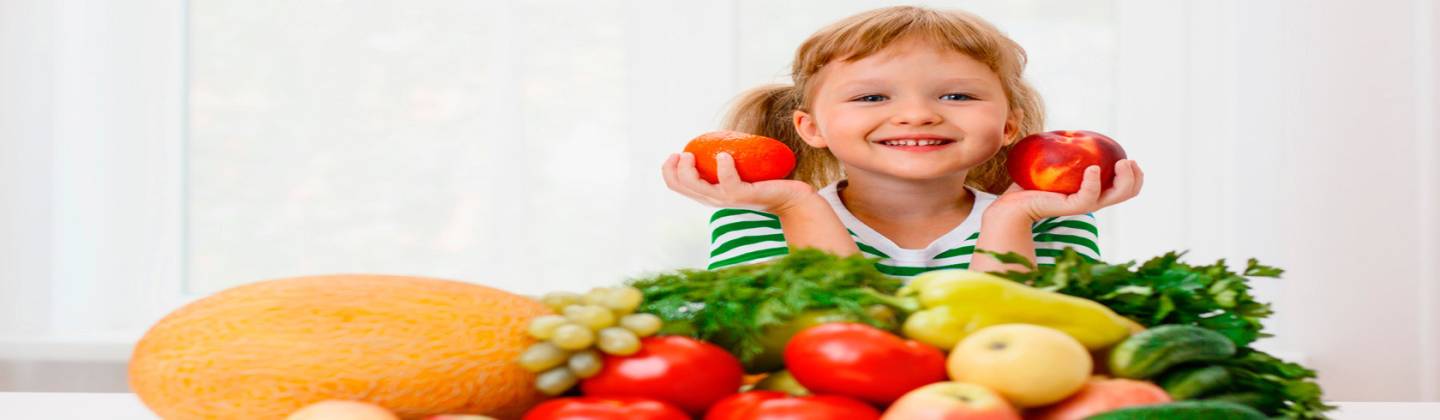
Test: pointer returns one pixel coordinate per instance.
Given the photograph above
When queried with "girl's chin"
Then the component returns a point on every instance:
(917, 167)
(920, 174)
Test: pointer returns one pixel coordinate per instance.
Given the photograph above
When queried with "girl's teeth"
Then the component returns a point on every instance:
(913, 142)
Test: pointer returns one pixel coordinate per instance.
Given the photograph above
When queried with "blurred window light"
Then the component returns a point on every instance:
(509, 143)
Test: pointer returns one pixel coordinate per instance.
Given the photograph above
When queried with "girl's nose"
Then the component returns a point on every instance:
(915, 113)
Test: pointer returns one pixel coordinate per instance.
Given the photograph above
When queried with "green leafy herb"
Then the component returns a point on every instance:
(1256, 371)
(733, 306)
(1164, 290)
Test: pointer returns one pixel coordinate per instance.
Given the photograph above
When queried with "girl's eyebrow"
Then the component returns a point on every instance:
(863, 83)
(873, 83)
(964, 80)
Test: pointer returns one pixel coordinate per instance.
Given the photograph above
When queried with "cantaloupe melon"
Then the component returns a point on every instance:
(342, 410)
(415, 346)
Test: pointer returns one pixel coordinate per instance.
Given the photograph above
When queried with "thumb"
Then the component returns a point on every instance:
(1014, 187)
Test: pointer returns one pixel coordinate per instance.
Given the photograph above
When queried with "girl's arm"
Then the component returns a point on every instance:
(1003, 230)
(1005, 226)
(806, 220)
(809, 222)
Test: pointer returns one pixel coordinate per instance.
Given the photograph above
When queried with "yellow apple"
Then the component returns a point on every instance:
(951, 401)
(1030, 365)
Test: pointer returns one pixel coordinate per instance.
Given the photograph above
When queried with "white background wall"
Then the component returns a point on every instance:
(1301, 133)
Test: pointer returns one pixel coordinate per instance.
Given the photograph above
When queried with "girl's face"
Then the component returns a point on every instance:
(911, 111)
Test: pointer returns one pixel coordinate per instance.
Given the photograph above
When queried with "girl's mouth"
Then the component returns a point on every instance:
(916, 145)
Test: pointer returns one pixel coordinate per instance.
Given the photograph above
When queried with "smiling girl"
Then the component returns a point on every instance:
(900, 119)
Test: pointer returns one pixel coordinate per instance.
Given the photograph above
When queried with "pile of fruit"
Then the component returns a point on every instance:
(827, 338)
(598, 322)
(806, 336)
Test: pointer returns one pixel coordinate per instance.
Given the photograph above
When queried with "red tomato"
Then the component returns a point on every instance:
(689, 373)
(596, 408)
(772, 405)
(857, 360)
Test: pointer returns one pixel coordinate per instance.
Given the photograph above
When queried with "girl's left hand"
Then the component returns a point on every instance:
(1042, 204)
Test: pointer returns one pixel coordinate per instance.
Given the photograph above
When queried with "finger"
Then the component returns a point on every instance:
(672, 180)
(725, 171)
(685, 168)
(1089, 190)
(667, 170)
(1139, 177)
(690, 177)
(1123, 187)
(1013, 187)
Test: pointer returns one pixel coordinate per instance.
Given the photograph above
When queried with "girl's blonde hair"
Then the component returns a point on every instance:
(769, 110)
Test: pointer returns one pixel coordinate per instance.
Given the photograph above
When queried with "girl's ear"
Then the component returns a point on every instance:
(809, 131)
(1012, 127)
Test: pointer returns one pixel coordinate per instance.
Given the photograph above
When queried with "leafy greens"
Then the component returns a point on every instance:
(1164, 290)
(733, 306)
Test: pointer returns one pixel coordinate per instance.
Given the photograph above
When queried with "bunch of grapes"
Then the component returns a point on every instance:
(601, 319)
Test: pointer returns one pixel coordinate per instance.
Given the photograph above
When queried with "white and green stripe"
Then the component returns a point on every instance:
(744, 236)
(747, 236)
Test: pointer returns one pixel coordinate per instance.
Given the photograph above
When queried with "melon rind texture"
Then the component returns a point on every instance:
(416, 346)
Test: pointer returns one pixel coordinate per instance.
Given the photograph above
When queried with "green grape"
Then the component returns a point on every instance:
(542, 327)
(591, 316)
(572, 337)
(542, 356)
(618, 341)
(585, 364)
(555, 381)
(642, 324)
(624, 300)
(597, 296)
(557, 301)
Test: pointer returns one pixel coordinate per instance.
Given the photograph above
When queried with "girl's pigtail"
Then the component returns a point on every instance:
(769, 111)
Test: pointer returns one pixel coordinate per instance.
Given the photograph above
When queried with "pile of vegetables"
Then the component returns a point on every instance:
(823, 334)
(1166, 291)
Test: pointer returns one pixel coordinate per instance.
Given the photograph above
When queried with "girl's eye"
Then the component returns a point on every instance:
(958, 97)
(870, 98)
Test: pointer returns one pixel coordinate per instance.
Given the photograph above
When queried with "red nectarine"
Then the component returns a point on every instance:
(1055, 161)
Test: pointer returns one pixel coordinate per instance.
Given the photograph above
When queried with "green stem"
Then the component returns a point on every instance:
(906, 305)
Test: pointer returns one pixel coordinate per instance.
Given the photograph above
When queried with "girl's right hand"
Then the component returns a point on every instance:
(768, 196)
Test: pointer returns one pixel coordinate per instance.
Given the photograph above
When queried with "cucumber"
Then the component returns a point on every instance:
(1152, 351)
(1183, 410)
(1186, 384)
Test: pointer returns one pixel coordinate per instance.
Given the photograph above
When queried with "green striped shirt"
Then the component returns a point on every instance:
(746, 236)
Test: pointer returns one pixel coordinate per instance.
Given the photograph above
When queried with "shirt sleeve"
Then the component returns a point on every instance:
(744, 237)
(1057, 233)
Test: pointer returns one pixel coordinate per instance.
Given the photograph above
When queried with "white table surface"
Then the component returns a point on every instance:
(81, 406)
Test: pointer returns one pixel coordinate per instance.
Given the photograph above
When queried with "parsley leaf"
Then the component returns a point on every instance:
(732, 307)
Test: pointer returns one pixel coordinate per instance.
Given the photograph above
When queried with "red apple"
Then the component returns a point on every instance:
(1101, 395)
(1055, 161)
(951, 401)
